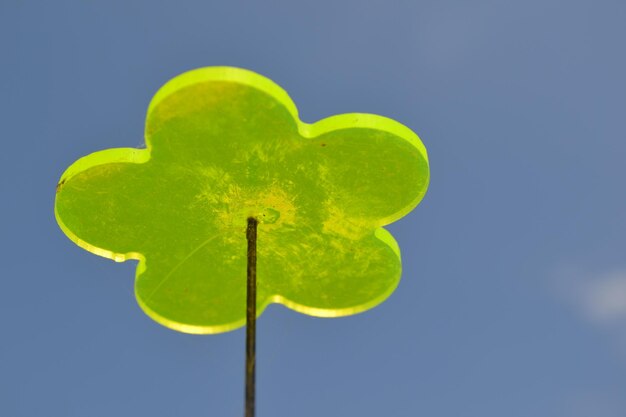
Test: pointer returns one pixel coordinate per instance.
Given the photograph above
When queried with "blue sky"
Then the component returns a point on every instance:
(513, 297)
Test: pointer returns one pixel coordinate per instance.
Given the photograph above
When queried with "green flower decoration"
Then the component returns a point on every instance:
(224, 144)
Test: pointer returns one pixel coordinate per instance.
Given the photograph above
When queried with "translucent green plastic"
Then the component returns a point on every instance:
(224, 144)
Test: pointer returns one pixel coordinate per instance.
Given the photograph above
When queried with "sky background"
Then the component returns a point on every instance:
(513, 297)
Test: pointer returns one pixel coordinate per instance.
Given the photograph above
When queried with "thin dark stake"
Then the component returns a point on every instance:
(251, 318)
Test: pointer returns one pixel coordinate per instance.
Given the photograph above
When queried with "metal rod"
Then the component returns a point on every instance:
(251, 235)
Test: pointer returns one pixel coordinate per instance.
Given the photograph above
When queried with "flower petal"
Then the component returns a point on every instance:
(94, 209)
(372, 169)
(328, 275)
(200, 290)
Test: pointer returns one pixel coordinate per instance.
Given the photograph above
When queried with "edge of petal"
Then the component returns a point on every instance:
(107, 156)
(222, 73)
(189, 328)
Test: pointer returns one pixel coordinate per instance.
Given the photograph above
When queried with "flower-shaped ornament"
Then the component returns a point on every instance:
(225, 144)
